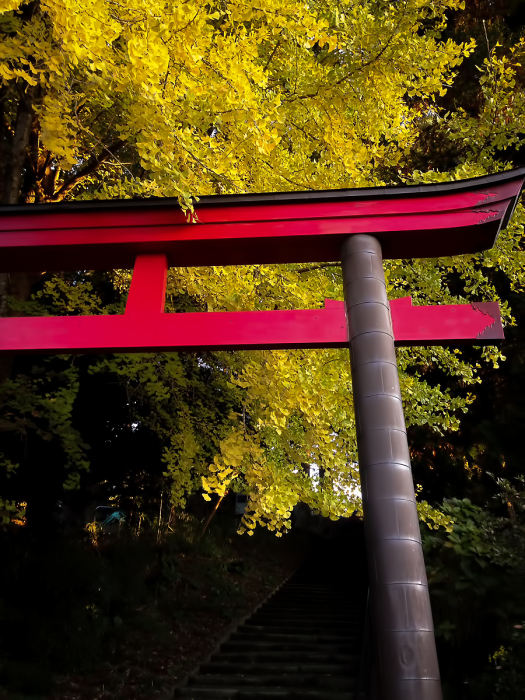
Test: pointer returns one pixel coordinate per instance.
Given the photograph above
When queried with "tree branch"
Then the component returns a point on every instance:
(90, 167)
(272, 55)
(348, 75)
(318, 267)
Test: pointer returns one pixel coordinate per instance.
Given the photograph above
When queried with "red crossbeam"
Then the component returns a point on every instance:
(144, 327)
(290, 227)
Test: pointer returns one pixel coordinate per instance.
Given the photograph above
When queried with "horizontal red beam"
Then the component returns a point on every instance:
(251, 229)
(208, 211)
(165, 332)
(244, 330)
(264, 242)
(448, 324)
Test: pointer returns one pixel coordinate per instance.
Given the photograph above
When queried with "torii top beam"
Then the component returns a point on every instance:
(435, 220)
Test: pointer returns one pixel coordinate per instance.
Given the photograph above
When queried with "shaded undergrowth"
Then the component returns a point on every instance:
(126, 616)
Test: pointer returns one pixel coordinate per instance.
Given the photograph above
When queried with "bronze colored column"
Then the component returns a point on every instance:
(401, 614)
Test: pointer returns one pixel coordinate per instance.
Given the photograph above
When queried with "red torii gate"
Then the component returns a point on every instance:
(358, 227)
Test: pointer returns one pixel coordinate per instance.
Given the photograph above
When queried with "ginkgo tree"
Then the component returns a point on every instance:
(104, 99)
(212, 97)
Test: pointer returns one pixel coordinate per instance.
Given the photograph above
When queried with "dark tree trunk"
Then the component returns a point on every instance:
(15, 140)
(14, 168)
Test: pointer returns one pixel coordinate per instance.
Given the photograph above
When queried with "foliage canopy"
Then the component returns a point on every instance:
(153, 97)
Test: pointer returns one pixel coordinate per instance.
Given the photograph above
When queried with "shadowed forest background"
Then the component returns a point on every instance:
(146, 98)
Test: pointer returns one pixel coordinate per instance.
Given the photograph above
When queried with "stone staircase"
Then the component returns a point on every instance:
(303, 642)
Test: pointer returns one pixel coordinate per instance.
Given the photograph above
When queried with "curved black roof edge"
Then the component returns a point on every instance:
(382, 192)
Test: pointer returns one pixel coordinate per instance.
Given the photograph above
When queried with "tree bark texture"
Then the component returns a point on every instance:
(31, 173)
(402, 619)
(14, 153)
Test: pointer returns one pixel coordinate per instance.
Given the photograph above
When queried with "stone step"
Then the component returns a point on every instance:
(256, 693)
(324, 596)
(344, 647)
(279, 680)
(300, 623)
(310, 603)
(271, 657)
(303, 643)
(270, 631)
(311, 610)
(282, 667)
(312, 600)
(296, 624)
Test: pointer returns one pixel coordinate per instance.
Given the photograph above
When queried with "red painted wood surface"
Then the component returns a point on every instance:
(147, 293)
(474, 323)
(142, 330)
(298, 240)
(145, 327)
(52, 217)
(281, 228)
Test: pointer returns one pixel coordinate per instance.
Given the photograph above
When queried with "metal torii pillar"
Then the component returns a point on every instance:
(400, 601)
